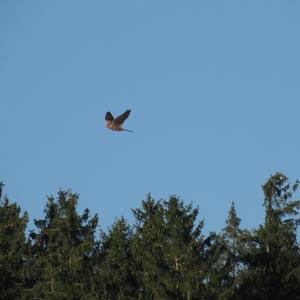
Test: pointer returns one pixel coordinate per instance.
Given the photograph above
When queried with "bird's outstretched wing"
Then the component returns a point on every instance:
(109, 117)
(120, 119)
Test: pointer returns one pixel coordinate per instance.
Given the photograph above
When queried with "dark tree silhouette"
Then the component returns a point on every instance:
(164, 255)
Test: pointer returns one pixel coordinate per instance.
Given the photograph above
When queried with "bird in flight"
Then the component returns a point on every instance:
(116, 123)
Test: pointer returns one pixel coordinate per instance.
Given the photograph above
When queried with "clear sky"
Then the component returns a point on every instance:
(214, 88)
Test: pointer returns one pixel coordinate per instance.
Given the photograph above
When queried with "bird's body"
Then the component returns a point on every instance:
(116, 123)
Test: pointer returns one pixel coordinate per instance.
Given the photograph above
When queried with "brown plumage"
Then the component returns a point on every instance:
(116, 123)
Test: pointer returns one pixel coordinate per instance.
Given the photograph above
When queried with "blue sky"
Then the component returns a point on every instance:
(214, 92)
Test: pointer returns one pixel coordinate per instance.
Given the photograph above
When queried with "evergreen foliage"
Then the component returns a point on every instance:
(116, 272)
(12, 248)
(273, 257)
(61, 250)
(168, 246)
(164, 255)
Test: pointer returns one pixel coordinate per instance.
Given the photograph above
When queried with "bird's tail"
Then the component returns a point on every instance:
(128, 130)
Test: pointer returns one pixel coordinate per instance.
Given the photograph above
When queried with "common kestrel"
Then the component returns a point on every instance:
(116, 123)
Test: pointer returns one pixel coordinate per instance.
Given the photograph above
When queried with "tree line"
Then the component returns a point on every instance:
(164, 255)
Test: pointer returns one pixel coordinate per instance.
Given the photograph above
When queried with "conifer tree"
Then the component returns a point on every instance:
(227, 247)
(12, 248)
(168, 246)
(116, 274)
(62, 250)
(273, 259)
(163, 256)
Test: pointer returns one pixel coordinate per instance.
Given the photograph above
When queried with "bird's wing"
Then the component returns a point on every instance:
(120, 119)
(109, 117)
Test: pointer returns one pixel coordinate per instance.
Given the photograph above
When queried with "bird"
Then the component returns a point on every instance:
(116, 123)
